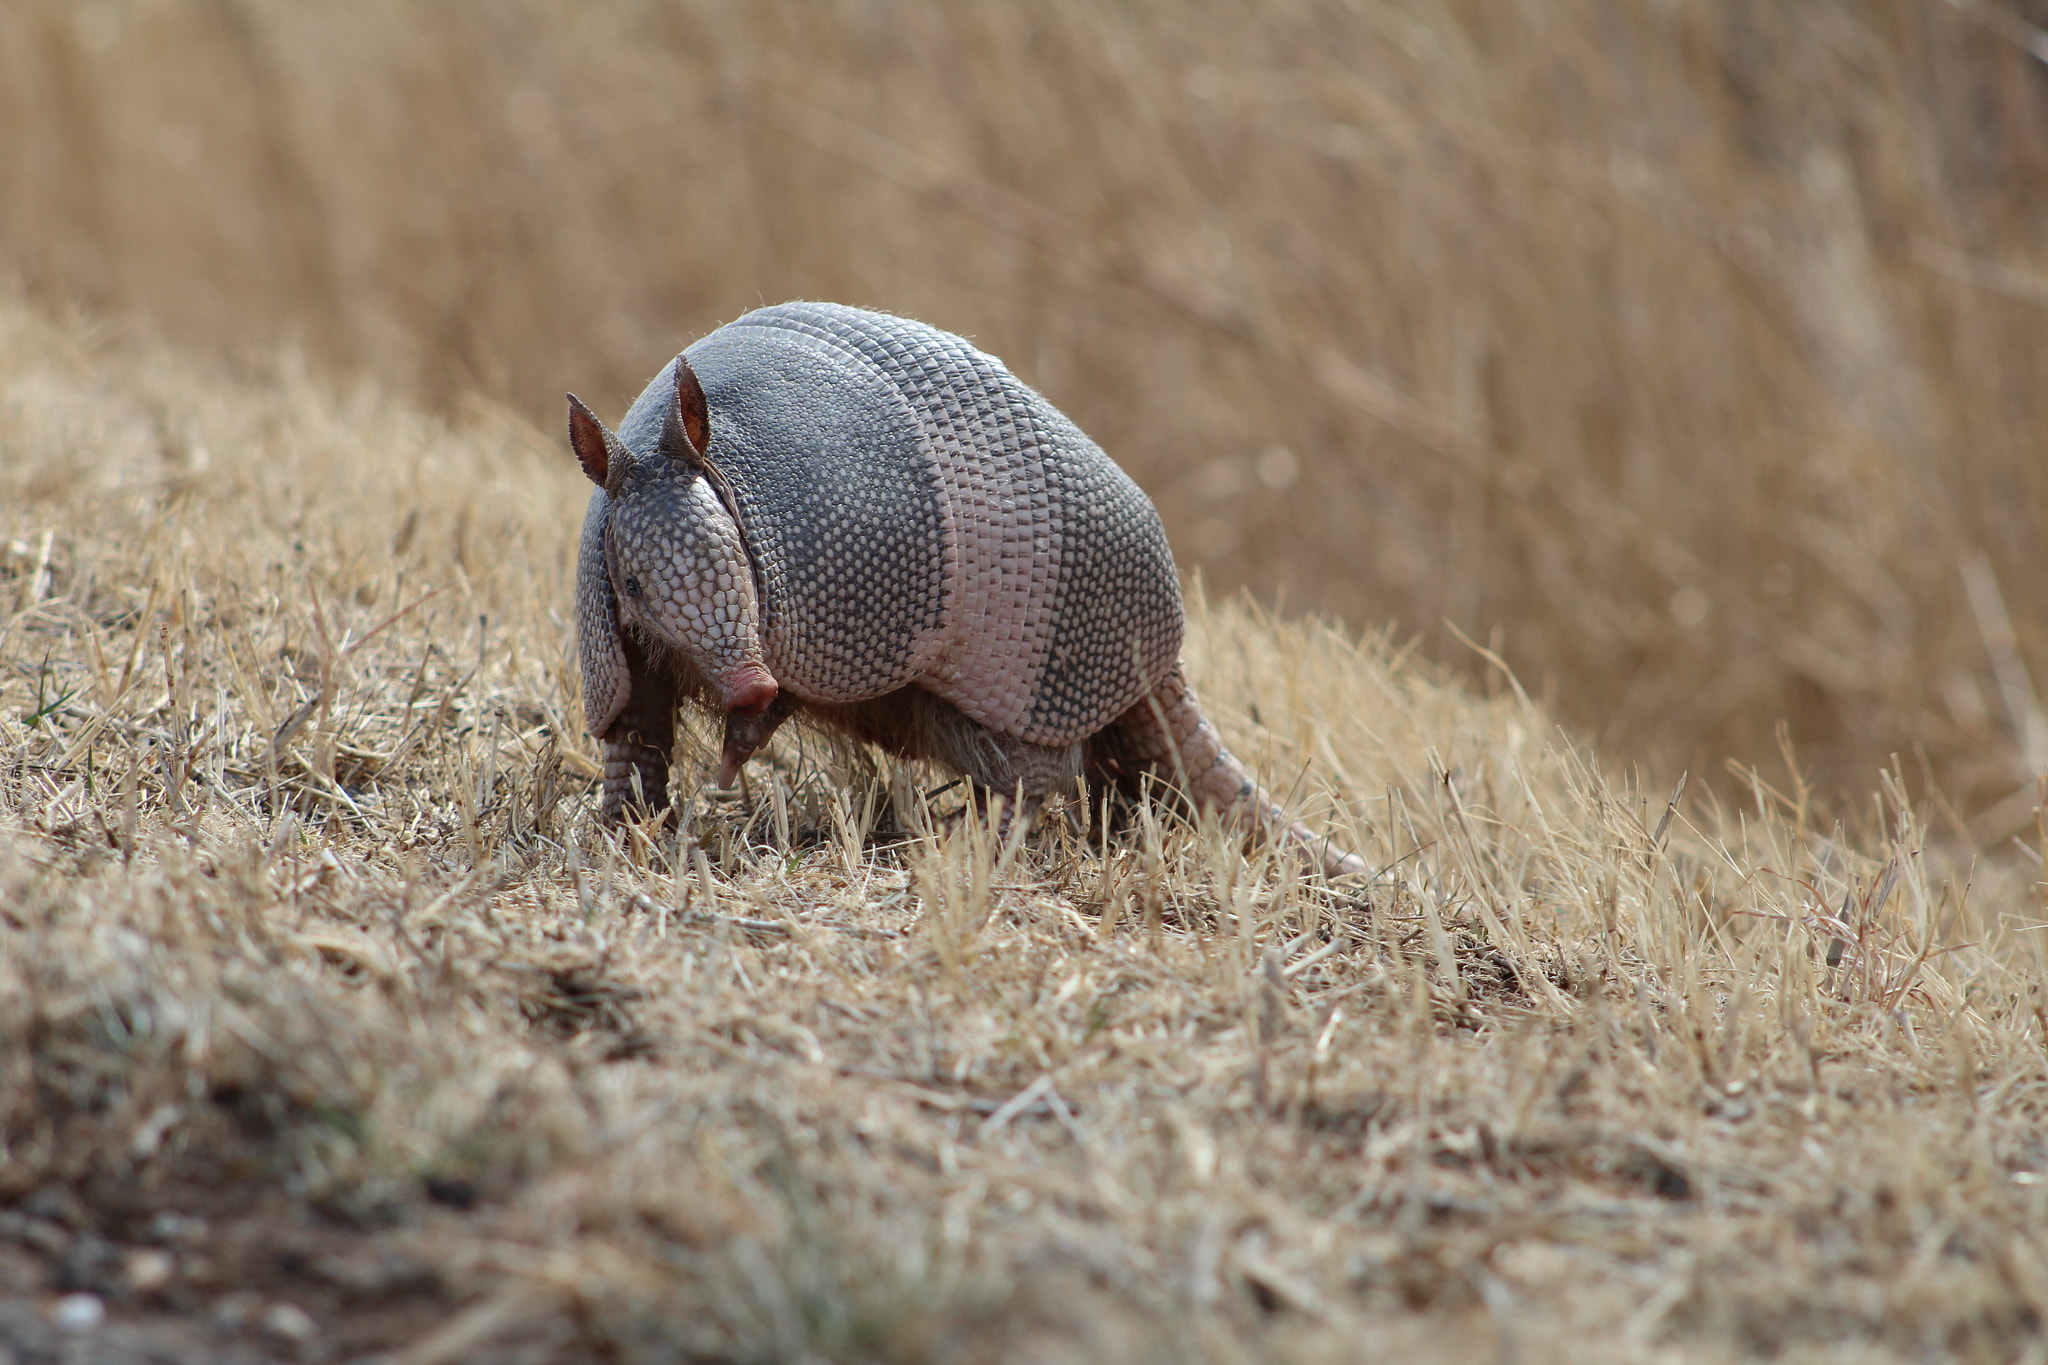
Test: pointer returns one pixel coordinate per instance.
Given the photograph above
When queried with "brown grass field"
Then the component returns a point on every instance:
(319, 987)
(1688, 357)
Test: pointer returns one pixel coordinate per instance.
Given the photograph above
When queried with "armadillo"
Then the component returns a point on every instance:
(851, 517)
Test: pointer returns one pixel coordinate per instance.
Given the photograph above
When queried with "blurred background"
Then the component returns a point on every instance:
(1691, 354)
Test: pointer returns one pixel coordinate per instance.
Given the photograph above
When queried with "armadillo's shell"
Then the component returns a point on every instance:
(917, 514)
(607, 681)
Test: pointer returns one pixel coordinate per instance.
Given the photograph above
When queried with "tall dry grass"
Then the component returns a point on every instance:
(1690, 352)
(332, 1028)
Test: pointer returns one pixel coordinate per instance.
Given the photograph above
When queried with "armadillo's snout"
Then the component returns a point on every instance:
(751, 715)
(748, 691)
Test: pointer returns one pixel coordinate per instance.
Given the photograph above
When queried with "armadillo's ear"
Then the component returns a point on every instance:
(686, 431)
(604, 457)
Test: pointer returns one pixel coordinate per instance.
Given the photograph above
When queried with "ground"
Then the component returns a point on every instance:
(335, 1028)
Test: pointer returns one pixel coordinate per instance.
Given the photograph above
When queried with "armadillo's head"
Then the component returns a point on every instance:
(677, 565)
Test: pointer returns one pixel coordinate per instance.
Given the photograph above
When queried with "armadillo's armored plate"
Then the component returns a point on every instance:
(916, 514)
(607, 682)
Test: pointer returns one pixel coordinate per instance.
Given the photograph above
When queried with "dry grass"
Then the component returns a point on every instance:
(318, 986)
(1692, 347)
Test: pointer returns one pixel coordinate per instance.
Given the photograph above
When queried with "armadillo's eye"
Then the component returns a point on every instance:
(632, 586)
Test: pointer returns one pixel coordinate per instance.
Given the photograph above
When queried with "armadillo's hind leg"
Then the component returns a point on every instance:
(1166, 737)
(637, 744)
(918, 724)
(1022, 774)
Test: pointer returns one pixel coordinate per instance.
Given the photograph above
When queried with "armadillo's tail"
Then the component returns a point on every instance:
(1165, 736)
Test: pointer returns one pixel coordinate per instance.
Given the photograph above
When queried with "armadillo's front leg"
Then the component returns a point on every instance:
(638, 743)
(1167, 737)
